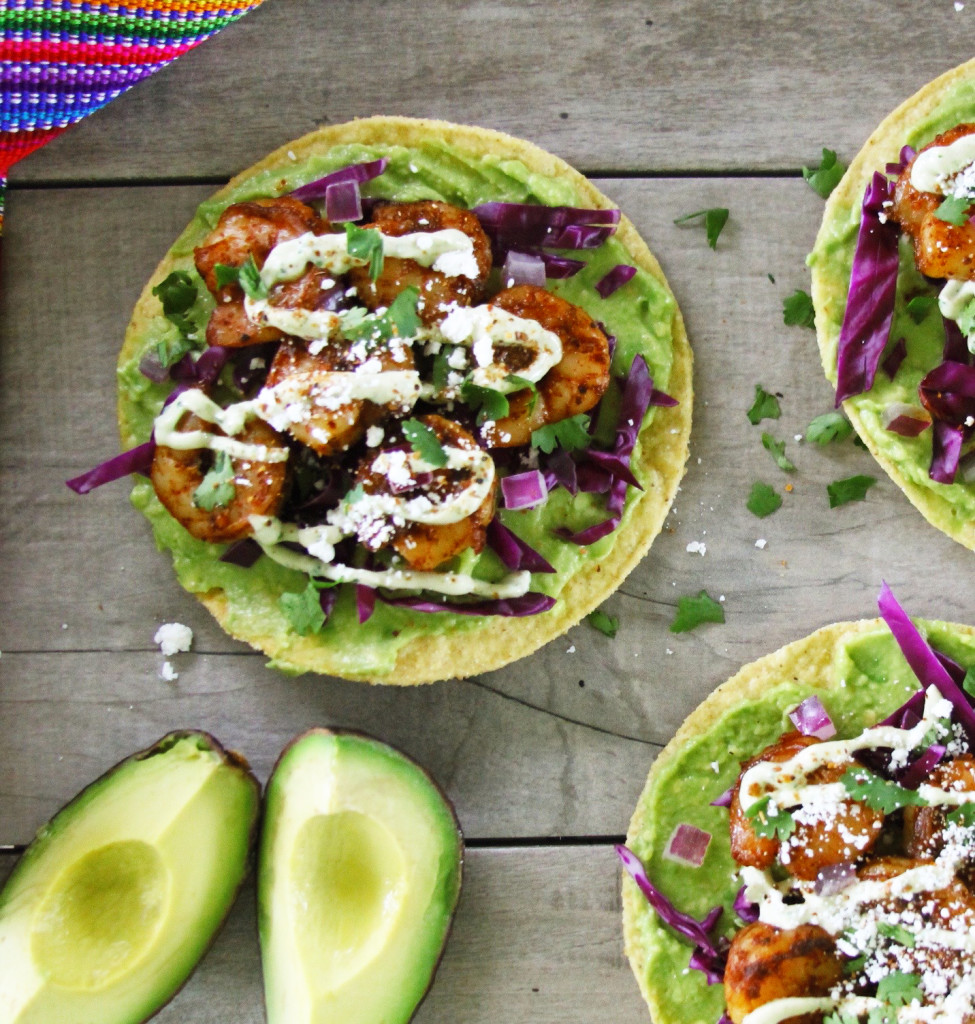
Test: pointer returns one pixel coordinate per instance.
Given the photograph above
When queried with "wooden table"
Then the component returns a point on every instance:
(674, 106)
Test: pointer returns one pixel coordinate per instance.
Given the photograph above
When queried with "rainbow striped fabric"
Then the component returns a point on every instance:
(62, 59)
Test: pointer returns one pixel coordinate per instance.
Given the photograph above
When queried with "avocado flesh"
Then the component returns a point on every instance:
(120, 894)
(358, 877)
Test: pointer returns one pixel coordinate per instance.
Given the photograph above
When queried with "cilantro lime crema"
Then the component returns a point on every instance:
(916, 339)
(641, 317)
(861, 676)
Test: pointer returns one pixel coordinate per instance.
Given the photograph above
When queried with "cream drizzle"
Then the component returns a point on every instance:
(935, 168)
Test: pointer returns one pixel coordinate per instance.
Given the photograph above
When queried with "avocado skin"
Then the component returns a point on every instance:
(207, 839)
(327, 775)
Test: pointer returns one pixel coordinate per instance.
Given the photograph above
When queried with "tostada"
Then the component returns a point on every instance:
(893, 285)
(804, 848)
(412, 398)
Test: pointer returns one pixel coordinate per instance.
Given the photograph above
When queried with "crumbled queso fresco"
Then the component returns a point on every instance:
(173, 638)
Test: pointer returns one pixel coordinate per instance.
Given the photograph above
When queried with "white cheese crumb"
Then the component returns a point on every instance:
(959, 6)
(173, 637)
(168, 673)
(760, 543)
(697, 547)
(571, 650)
(374, 436)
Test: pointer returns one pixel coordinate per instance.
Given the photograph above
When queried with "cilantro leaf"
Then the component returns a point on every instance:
(216, 489)
(365, 244)
(693, 611)
(842, 1018)
(491, 404)
(226, 274)
(303, 610)
(424, 442)
(762, 500)
(896, 932)
(963, 816)
(399, 320)
(765, 406)
(250, 279)
(177, 293)
(571, 434)
(919, 307)
(779, 825)
(172, 349)
(953, 210)
(851, 488)
(824, 178)
(402, 314)
(899, 988)
(968, 683)
(878, 793)
(607, 624)
(715, 219)
(797, 310)
(831, 426)
(777, 450)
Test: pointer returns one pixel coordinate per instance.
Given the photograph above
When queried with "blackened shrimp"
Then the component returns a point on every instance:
(252, 229)
(253, 487)
(925, 827)
(427, 545)
(941, 249)
(437, 291)
(767, 963)
(574, 385)
(819, 840)
(309, 390)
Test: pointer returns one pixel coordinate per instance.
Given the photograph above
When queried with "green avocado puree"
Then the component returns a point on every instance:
(831, 260)
(867, 680)
(640, 315)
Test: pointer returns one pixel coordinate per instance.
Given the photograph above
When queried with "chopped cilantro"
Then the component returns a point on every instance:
(216, 489)
(762, 500)
(402, 314)
(570, 434)
(841, 1018)
(440, 371)
(777, 450)
(953, 210)
(304, 609)
(226, 274)
(491, 404)
(851, 488)
(878, 793)
(177, 293)
(250, 279)
(606, 624)
(919, 307)
(714, 221)
(899, 988)
(399, 320)
(771, 278)
(356, 494)
(797, 310)
(824, 178)
(693, 611)
(765, 406)
(366, 244)
(779, 825)
(962, 816)
(424, 442)
(171, 350)
(831, 426)
(896, 932)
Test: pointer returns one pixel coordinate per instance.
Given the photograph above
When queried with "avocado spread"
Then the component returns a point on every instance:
(861, 678)
(640, 316)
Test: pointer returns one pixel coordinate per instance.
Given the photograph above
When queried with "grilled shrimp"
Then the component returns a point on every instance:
(259, 487)
(574, 385)
(940, 249)
(304, 387)
(438, 291)
(766, 963)
(425, 546)
(924, 827)
(818, 841)
(253, 229)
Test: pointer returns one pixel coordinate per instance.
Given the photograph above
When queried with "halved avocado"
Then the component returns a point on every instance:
(358, 877)
(120, 894)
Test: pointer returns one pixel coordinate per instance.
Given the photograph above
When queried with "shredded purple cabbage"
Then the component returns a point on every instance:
(946, 445)
(509, 607)
(354, 172)
(244, 553)
(724, 800)
(515, 553)
(894, 358)
(907, 154)
(956, 345)
(616, 278)
(365, 602)
(343, 202)
(135, 460)
(744, 908)
(948, 392)
(919, 769)
(870, 301)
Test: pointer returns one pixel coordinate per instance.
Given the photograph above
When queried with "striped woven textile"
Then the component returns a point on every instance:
(62, 59)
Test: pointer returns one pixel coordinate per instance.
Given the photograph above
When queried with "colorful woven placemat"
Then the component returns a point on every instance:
(63, 59)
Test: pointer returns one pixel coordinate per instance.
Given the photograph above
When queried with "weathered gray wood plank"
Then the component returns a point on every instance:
(679, 85)
(537, 937)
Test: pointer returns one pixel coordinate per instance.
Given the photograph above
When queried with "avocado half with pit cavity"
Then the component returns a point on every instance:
(358, 877)
(121, 893)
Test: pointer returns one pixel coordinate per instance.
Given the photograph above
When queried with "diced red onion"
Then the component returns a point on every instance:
(135, 460)
(811, 719)
(905, 420)
(343, 202)
(870, 301)
(365, 602)
(919, 769)
(523, 268)
(515, 553)
(616, 278)
(524, 490)
(835, 878)
(152, 368)
(354, 172)
(687, 845)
